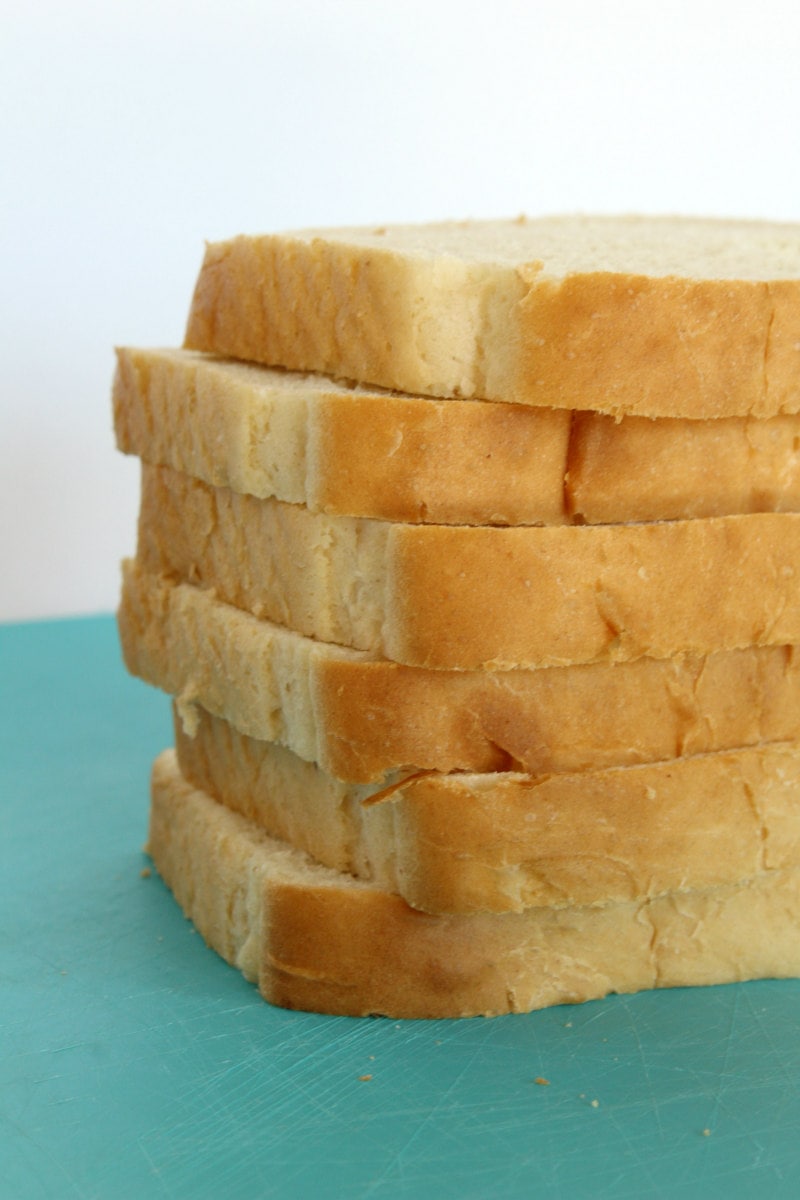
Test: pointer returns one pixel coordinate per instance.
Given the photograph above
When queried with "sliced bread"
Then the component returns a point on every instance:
(659, 316)
(319, 940)
(466, 843)
(309, 440)
(360, 717)
(464, 597)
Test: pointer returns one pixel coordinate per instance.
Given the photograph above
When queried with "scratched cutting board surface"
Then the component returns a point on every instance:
(135, 1063)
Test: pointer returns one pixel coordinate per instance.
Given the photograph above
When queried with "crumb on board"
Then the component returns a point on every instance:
(364, 1078)
(706, 1133)
(540, 1079)
(145, 873)
(595, 1103)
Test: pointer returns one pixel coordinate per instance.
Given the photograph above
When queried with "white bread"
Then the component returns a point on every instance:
(318, 940)
(467, 843)
(360, 717)
(309, 440)
(463, 597)
(657, 316)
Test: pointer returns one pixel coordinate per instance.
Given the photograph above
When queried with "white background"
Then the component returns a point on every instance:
(132, 131)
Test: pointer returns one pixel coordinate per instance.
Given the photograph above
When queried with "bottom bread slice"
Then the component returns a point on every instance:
(321, 941)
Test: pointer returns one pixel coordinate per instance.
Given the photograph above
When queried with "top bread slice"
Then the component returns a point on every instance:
(658, 316)
(307, 439)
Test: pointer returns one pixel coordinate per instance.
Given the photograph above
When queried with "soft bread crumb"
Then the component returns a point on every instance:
(186, 709)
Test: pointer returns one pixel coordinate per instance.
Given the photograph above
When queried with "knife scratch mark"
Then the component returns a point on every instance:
(155, 1170)
(643, 1059)
(718, 1088)
(397, 1157)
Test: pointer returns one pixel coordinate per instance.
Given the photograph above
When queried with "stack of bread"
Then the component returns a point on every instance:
(470, 554)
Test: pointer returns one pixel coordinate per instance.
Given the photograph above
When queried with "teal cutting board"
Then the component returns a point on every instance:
(135, 1063)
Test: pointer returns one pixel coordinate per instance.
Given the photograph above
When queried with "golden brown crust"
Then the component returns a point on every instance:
(360, 718)
(466, 597)
(324, 942)
(638, 469)
(620, 341)
(271, 301)
(421, 460)
(657, 347)
(501, 843)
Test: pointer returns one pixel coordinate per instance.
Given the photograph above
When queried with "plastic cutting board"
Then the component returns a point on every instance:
(135, 1063)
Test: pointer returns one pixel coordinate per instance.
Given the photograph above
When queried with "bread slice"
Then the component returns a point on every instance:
(505, 842)
(319, 940)
(464, 597)
(360, 717)
(657, 316)
(308, 440)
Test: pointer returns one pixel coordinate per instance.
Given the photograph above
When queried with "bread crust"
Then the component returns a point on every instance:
(655, 347)
(708, 327)
(468, 597)
(360, 717)
(467, 843)
(324, 942)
